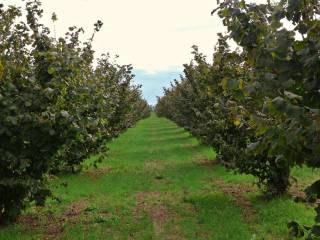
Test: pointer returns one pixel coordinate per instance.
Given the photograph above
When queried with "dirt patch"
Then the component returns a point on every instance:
(53, 228)
(51, 225)
(296, 190)
(206, 162)
(75, 208)
(54, 225)
(31, 222)
(145, 199)
(153, 165)
(237, 191)
(153, 203)
(97, 173)
(150, 202)
(189, 145)
(159, 214)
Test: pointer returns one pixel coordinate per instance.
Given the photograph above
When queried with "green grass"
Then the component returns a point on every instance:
(156, 183)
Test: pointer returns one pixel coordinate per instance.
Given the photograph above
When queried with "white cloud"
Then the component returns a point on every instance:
(153, 35)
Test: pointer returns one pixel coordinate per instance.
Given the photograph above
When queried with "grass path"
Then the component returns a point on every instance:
(158, 183)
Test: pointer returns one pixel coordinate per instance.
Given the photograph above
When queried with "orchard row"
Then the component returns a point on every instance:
(57, 105)
(258, 105)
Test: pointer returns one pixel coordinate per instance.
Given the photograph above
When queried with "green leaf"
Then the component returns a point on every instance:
(51, 70)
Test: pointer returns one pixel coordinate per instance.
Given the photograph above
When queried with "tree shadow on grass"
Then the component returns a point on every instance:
(171, 130)
(175, 139)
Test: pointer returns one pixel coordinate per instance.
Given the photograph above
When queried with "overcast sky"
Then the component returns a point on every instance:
(155, 36)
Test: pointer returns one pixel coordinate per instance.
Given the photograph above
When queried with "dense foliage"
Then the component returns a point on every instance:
(259, 106)
(56, 106)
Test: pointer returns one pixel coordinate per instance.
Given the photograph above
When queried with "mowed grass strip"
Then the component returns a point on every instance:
(158, 182)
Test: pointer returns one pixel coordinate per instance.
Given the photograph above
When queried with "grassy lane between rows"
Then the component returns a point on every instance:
(158, 182)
